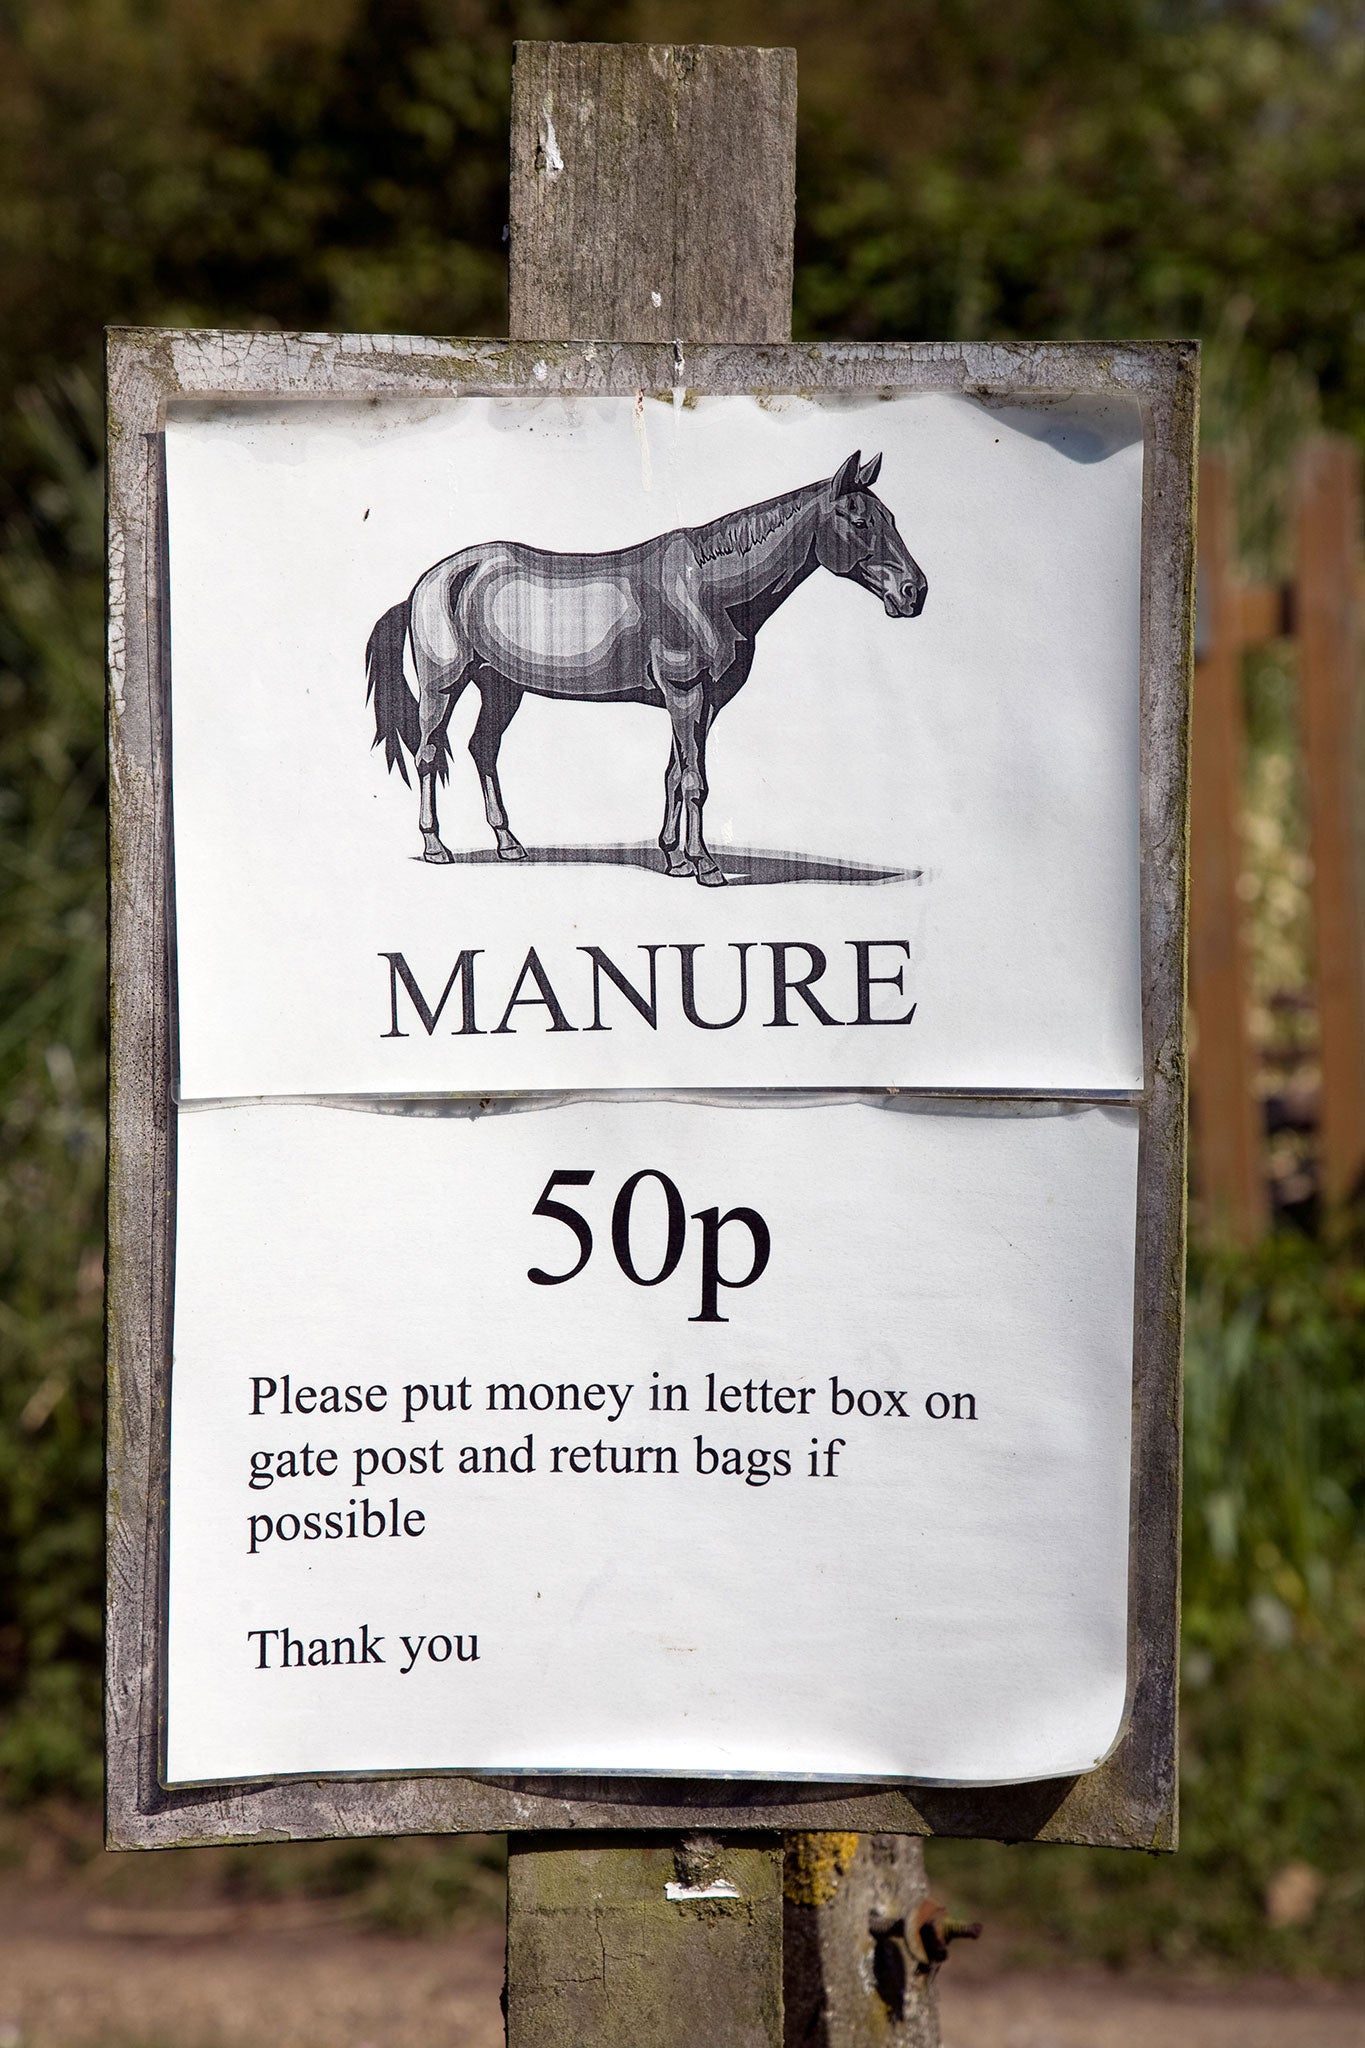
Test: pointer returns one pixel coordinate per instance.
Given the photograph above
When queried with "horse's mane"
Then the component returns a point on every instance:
(736, 532)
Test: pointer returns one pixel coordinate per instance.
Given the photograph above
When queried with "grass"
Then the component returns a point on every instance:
(1273, 1726)
(1273, 1788)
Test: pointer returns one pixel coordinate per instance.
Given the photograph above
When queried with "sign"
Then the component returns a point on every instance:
(661, 1437)
(672, 948)
(905, 689)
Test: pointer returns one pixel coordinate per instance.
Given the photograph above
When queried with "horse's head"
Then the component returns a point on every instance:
(857, 537)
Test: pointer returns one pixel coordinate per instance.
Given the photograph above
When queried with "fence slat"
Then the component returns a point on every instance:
(1327, 490)
(1228, 1135)
(1263, 612)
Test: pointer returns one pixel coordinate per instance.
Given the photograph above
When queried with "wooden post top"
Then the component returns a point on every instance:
(653, 192)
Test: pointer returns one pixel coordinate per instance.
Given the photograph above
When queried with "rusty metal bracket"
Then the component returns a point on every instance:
(926, 1937)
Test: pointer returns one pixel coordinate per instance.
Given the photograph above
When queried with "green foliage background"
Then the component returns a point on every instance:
(966, 168)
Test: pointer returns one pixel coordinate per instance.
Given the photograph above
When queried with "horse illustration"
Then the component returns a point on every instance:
(671, 622)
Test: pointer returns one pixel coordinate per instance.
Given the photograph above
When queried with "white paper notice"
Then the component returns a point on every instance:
(696, 753)
(816, 1462)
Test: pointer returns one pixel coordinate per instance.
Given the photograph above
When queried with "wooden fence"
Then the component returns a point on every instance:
(1234, 1084)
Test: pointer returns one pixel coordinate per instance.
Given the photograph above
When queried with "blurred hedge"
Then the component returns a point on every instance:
(52, 1099)
(1273, 1736)
(967, 167)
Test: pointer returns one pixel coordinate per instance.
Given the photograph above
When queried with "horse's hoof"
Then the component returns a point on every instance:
(439, 856)
(681, 870)
(711, 878)
(513, 852)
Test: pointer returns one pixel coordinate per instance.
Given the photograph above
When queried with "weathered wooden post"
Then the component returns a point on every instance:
(1332, 711)
(623, 159)
(653, 193)
(621, 156)
(862, 1941)
(1230, 1170)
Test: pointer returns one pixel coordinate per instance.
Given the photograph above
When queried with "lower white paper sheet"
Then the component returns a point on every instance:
(929, 1581)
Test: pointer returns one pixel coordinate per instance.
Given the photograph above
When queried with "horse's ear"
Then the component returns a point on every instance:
(870, 471)
(847, 477)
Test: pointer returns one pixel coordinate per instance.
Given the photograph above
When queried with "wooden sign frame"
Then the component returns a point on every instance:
(1130, 1800)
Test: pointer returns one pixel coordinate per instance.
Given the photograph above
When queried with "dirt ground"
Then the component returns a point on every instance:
(83, 1973)
(982, 2010)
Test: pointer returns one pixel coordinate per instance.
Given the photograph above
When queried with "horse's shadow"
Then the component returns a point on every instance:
(742, 866)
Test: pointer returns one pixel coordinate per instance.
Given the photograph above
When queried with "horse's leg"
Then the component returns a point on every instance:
(691, 715)
(501, 701)
(670, 838)
(438, 697)
(709, 871)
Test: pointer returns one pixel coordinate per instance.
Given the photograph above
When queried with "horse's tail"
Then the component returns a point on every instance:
(397, 714)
